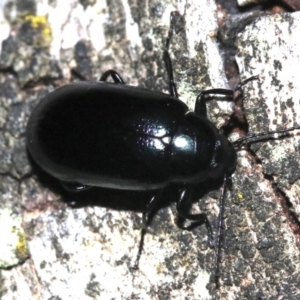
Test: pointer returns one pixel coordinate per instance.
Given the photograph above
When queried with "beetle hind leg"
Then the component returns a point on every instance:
(147, 215)
(114, 75)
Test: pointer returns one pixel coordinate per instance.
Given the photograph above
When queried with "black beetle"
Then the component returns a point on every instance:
(103, 134)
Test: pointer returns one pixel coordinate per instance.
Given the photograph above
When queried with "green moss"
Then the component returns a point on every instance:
(22, 250)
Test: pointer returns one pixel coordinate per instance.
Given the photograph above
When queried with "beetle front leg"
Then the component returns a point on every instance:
(200, 105)
(183, 205)
(114, 75)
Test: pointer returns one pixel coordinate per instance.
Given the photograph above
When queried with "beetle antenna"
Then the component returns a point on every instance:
(257, 137)
(222, 197)
(220, 231)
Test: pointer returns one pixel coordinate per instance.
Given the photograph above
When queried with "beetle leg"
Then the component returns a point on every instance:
(114, 75)
(184, 203)
(182, 206)
(168, 63)
(220, 230)
(166, 56)
(72, 186)
(147, 214)
(200, 105)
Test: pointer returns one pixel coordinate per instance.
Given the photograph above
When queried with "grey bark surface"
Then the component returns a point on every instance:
(51, 251)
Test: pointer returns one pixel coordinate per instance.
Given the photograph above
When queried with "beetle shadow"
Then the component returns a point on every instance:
(95, 196)
(123, 200)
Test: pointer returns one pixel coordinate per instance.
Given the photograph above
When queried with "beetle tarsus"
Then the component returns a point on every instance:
(244, 82)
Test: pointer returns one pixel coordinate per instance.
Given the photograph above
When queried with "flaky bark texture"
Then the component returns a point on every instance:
(51, 251)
